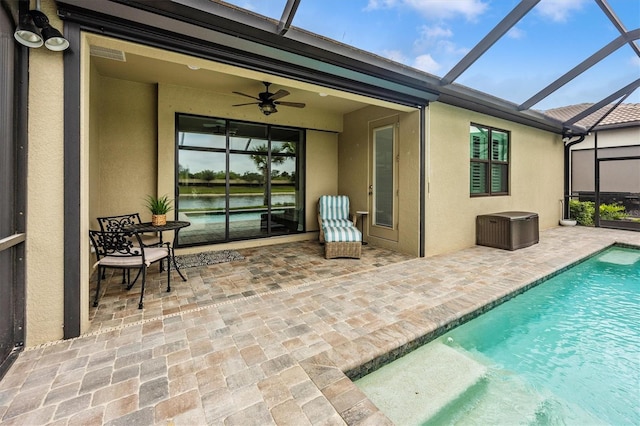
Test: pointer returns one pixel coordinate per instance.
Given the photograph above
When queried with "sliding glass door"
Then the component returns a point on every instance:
(238, 180)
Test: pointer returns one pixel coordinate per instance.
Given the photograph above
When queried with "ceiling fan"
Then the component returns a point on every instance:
(267, 101)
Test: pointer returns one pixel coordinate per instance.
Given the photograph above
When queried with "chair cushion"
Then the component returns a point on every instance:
(337, 223)
(334, 207)
(152, 254)
(121, 261)
(334, 234)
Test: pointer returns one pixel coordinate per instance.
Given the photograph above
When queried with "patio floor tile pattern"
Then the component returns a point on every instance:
(264, 269)
(269, 356)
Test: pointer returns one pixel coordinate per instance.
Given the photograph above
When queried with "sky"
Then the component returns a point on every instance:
(433, 35)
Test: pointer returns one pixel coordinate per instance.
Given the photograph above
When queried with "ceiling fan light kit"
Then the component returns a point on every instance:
(268, 101)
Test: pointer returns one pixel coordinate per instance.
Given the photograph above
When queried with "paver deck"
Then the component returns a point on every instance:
(277, 355)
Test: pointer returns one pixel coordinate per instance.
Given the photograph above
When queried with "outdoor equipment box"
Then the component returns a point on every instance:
(507, 230)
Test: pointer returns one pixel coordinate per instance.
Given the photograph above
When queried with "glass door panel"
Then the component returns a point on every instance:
(248, 199)
(384, 190)
(383, 173)
(202, 196)
(287, 199)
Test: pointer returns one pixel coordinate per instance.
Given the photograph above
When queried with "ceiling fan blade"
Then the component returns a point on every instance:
(279, 94)
(248, 96)
(291, 104)
(250, 103)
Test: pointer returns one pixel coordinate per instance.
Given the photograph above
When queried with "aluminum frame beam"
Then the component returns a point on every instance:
(609, 111)
(489, 40)
(616, 22)
(581, 67)
(287, 16)
(625, 91)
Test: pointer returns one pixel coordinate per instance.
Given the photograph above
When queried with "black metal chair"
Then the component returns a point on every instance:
(116, 249)
(120, 222)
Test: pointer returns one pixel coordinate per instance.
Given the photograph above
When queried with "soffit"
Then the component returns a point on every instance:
(145, 64)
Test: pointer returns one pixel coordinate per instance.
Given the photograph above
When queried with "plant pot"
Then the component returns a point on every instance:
(158, 219)
(567, 222)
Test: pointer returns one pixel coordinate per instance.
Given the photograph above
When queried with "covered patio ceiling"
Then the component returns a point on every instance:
(114, 58)
(376, 78)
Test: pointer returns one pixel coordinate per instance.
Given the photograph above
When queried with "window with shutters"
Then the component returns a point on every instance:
(489, 166)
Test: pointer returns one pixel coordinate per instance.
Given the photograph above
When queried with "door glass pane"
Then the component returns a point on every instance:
(248, 137)
(383, 176)
(202, 200)
(284, 216)
(201, 132)
(248, 196)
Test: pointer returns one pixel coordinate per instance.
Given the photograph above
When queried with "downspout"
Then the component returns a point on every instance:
(567, 161)
(423, 156)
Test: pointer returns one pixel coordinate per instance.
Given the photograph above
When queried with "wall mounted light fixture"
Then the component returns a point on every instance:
(27, 32)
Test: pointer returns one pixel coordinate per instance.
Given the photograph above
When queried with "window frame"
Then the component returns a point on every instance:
(489, 162)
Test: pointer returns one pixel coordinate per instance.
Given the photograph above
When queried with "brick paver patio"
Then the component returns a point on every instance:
(272, 349)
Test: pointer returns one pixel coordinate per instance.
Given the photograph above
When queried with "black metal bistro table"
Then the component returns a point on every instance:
(171, 225)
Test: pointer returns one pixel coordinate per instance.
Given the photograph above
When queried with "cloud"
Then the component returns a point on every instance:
(515, 33)
(381, 4)
(451, 49)
(436, 32)
(435, 9)
(427, 63)
(430, 36)
(559, 10)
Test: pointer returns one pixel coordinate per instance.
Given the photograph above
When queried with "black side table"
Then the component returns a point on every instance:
(363, 215)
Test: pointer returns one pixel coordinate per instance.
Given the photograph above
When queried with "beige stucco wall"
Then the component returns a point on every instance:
(45, 202)
(354, 171)
(628, 136)
(127, 147)
(536, 177)
(322, 172)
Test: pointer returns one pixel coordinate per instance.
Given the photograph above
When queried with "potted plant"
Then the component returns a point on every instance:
(158, 206)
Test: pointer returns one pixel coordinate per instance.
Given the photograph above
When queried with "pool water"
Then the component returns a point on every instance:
(220, 217)
(564, 352)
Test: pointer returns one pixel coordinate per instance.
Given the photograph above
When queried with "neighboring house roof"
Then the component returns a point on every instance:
(624, 115)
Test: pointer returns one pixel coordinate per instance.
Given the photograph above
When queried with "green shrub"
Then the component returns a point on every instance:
(584, 212)
(612, 212)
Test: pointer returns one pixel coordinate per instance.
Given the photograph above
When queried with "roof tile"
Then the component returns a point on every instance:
(622, 114)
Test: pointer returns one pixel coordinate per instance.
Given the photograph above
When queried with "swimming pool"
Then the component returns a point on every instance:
(564, 352)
